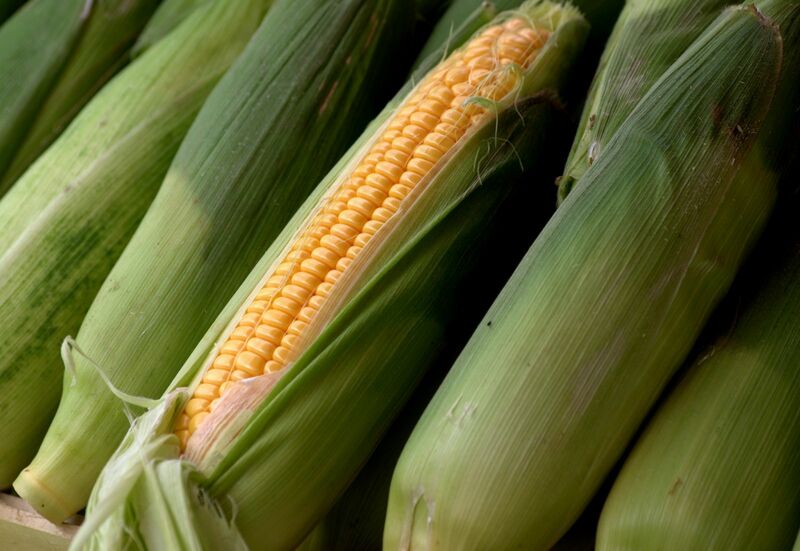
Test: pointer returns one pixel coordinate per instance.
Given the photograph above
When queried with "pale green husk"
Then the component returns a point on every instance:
(647, 38)
(280, 463)
(598, 315)
(287, 109)
(69, 217)
(718, 468)
(719, 465)
(54, 56)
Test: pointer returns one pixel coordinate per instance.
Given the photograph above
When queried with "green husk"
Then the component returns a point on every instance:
(290, 105)
(797, 543)
(69, 217)
(604, 307)
(54, 56)
(647, 38)
(169, 15)
(282, 459)
(719, 465)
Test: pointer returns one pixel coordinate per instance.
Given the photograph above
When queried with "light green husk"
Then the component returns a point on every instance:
(169, 15)
(719, 465)
(647, 38)
(69, 217)
(291, 104)
(54, 56)
(281, 461)
(598, 315)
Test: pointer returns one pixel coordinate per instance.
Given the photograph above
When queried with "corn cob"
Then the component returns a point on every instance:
(169, 15)
(648, 37)
(54, 55)
(264, 447)
(68, 218)
(226, 196)
(602, 309)
(719, 465)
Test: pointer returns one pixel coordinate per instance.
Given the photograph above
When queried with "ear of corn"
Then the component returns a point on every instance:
(68, 218)
(648, 37)
(294, 100)
(283, 445)
(54, 55)
(600, 312)
(719, 465)
(170, 14)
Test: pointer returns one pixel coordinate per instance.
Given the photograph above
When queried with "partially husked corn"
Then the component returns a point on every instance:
(283, 444)
(426, 127)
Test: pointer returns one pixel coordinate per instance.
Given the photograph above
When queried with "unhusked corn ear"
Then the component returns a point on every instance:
(170, 14)
(275, 123)
(68, 218)
(718, 467)
(425, 129)
(285, 444)
(599, 313)
(648, 37)
(54, 56)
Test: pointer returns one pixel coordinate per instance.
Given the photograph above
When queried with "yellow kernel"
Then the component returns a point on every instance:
(314, 266)
(361, 241)
(183, 422)
(231, 347)
(223, 361)
(378, 181)
(275, 318)
(420, 166)
(296, 293)
(206, 391)
(425, 121)
(273, 366)
(197, 420)
(269, 333)
(414, 132)
(382, 215)
(297, 327)
(325, 255)
(250, 363)
(398, 191)
(261, 347)
(370, 227)
(306, 280)
(216, 376)
(195, 406)
(353, 218)
(427, 153)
